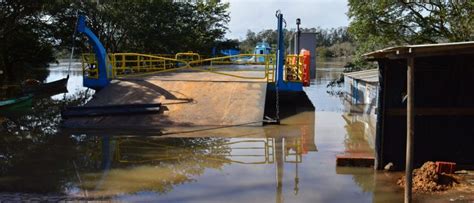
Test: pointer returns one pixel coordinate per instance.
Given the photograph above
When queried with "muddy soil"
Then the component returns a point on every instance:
(426, 179)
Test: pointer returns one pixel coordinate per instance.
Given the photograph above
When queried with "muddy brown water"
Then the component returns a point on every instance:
(293, 162)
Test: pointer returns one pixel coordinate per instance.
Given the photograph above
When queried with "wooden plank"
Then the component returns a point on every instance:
(355, 160)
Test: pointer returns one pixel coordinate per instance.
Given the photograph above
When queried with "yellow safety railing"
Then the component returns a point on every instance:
(134, 64)
(248, 59)
(293, 151)
(123, 64)
(90, 68)
(187, 56)
(219, 64)
(293, 68)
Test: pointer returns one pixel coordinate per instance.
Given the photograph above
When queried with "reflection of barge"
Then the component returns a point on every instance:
(166, 162)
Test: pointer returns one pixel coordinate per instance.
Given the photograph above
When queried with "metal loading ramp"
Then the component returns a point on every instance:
(208, 101)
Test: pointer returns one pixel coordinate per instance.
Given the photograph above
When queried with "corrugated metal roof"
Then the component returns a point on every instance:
(371, 75)
(405, 51)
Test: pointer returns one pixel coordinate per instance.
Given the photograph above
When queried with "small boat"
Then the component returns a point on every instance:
(48, 89)
(16, 103)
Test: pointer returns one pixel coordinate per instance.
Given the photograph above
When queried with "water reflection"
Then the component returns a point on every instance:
(110, 166)
(132, 165)
(361, 132)
(104, 165)
(74, 86)
(30, 139)
(327, 70)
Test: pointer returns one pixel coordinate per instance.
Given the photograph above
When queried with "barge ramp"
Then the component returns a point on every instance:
(189, 99)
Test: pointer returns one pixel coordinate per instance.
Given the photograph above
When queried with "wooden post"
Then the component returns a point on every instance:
(410, 128)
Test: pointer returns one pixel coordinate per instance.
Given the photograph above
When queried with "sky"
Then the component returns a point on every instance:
(258, 15)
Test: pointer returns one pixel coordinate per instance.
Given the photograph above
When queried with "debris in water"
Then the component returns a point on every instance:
(426, 179)
(388, 167)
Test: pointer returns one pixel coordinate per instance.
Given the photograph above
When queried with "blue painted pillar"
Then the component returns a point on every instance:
(100, 54)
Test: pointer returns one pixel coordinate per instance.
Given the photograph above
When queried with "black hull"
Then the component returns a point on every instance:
(48, 89)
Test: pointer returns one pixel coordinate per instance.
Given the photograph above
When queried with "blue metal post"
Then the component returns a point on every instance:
(280, 51)
(100, 55)
(280, 83)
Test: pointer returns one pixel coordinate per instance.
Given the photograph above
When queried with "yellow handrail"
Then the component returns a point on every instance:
(188, 56)
(135, 64)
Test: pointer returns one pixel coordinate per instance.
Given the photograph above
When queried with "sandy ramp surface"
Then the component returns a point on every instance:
(185, 103)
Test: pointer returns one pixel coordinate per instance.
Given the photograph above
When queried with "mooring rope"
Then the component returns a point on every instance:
(277, 105)
(79, 178)
(73, 42)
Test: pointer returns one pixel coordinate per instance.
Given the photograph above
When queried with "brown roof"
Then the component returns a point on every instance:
(420, 50)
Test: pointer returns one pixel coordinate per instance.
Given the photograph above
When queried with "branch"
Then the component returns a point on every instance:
(417, 14)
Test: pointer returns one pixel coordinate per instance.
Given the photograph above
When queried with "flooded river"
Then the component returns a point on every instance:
(293, 162)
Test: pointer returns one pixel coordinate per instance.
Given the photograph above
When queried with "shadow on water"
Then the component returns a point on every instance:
(25, 143)
(291, 162)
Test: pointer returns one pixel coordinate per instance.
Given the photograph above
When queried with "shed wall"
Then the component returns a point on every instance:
(444, 109)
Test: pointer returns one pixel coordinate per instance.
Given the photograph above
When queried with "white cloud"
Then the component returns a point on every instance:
(257, 15)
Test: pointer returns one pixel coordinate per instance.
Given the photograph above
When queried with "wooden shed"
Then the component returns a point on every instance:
(441, 105)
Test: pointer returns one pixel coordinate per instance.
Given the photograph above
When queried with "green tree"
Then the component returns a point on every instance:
(146, 26)
(248, 44)
(25, 45)
(31, 30)
(227, 44)
(376, 24)
(324, 52)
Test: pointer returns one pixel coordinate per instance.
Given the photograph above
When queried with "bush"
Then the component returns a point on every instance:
(323, 52)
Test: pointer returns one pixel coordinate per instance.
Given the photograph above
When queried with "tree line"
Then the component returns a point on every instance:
(330, 42)
(378, 24)
(32, 32)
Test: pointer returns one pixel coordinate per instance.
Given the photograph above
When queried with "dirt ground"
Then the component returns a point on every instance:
(426, 179)
(430, 186)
